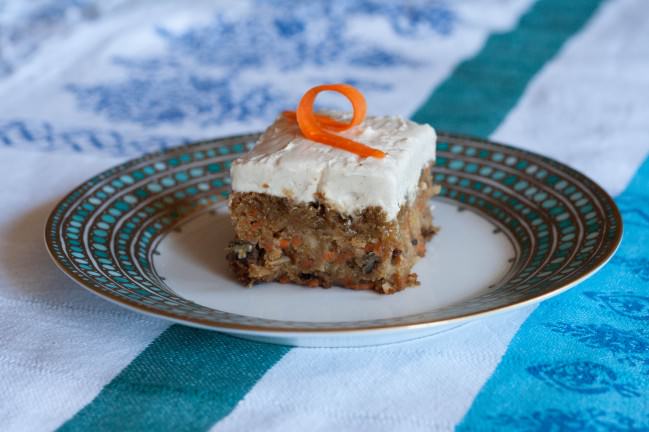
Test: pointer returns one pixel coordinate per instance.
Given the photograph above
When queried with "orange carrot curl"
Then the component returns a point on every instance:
(320, 128)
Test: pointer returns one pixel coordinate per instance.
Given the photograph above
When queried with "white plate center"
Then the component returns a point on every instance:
(462, 260)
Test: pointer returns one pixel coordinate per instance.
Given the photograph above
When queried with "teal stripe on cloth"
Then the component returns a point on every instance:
(189, 379)
(581, 360)
(481, 91)
(185, 380)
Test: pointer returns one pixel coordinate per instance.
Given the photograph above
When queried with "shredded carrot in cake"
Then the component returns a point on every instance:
(321, 128)
(329, 256)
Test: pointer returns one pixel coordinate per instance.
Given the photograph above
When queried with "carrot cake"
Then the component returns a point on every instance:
(334, 199)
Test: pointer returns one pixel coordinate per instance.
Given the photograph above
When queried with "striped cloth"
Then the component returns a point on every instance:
(86, 84)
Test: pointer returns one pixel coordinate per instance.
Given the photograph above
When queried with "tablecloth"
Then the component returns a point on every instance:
(85, 85)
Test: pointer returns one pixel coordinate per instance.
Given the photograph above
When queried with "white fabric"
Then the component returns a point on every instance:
(424, 385)
(595, 118)
(589, 107)
(60, 345)
(102, 51)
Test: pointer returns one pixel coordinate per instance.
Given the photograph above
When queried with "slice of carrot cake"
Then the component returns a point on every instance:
(348, 206)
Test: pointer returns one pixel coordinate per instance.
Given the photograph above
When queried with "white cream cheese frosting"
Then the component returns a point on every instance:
(285, 164)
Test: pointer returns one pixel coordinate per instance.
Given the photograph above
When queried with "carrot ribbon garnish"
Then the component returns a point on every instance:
(319, 128)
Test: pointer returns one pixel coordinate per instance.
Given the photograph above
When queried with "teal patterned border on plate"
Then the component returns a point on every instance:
(104, 234)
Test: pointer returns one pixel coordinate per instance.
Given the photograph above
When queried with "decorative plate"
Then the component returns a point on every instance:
(516, 228)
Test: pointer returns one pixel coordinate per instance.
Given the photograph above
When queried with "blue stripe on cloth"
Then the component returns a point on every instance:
(184, 381)
(581, 361)
(188, 379)
(482, 90)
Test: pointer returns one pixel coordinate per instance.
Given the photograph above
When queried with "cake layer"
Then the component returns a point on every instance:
(285, 164)
(279, 239)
